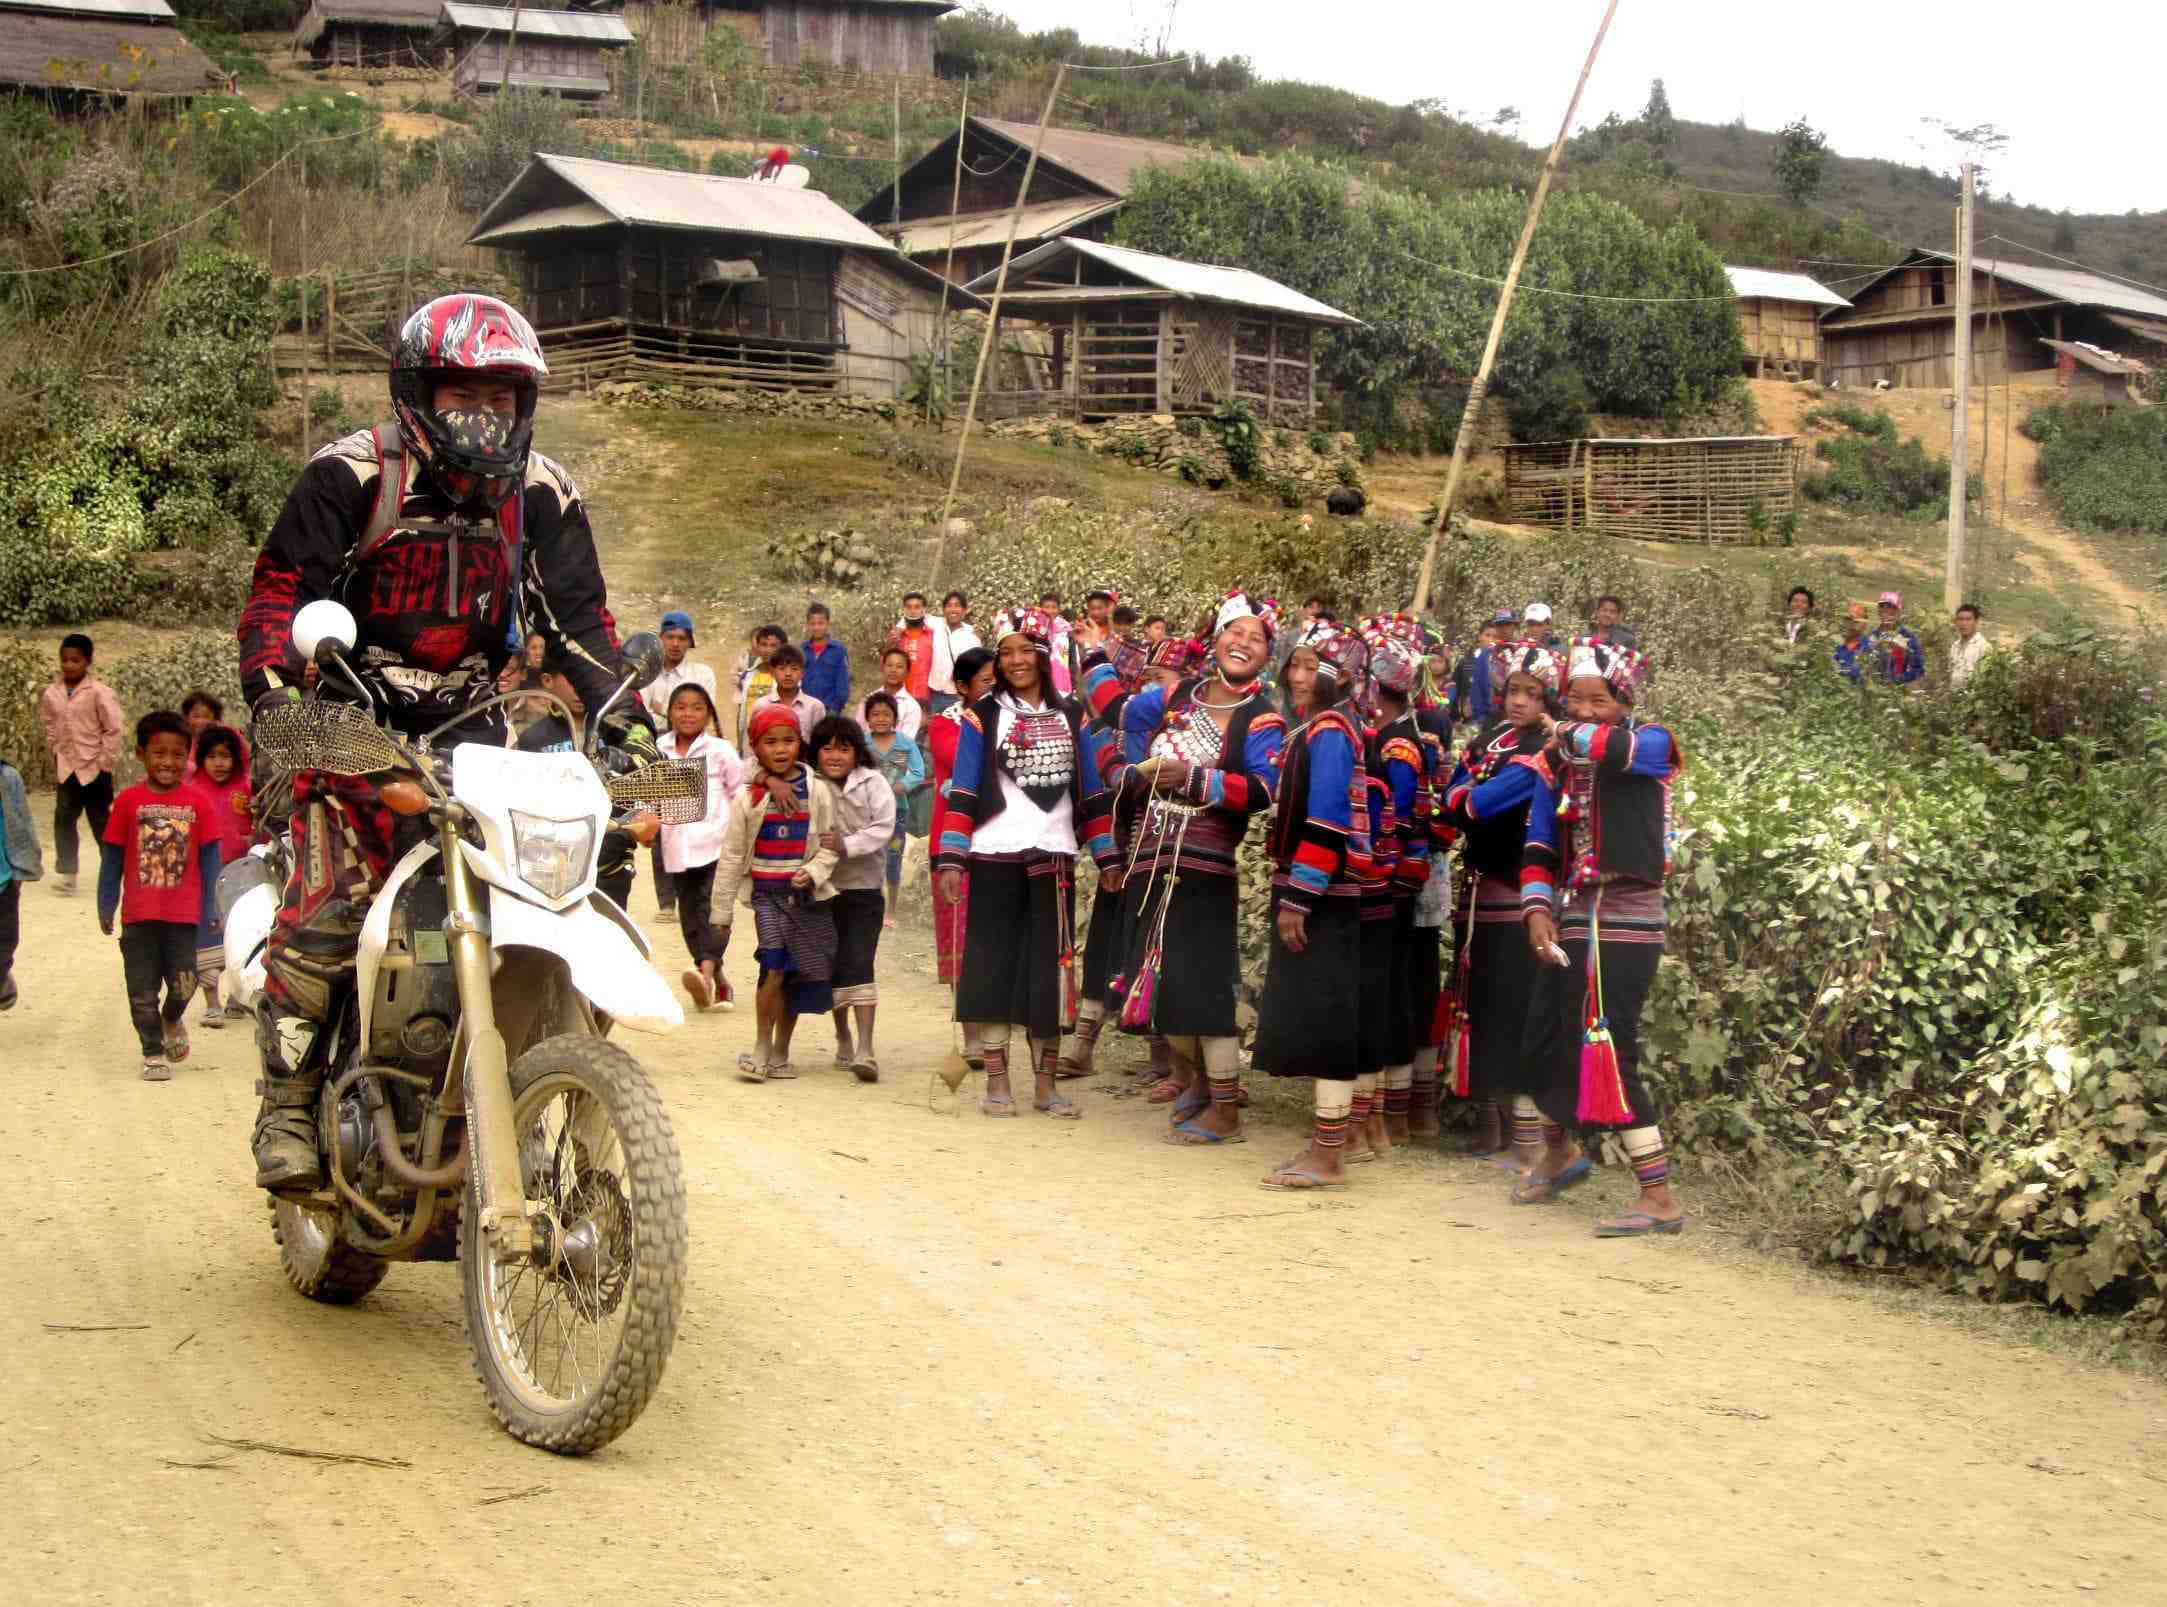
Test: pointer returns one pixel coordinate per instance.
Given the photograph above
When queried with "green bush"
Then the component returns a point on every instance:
(1553, 407)
(2103, 468)
(1868, 470)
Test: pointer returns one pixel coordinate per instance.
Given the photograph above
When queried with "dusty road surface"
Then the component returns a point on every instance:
(932, 1358)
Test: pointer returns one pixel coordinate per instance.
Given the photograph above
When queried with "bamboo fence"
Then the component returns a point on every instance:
(585, 355)
(1726, 490)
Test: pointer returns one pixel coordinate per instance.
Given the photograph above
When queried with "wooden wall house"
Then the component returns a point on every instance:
(1780, 316)
(370, 33)
(565, 53)
(1083, 180)
(629, 271)
(1902, 326)
(81, 50)
(880, 38)
(1126, 332)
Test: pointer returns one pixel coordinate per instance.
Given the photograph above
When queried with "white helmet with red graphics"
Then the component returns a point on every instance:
(474, 454)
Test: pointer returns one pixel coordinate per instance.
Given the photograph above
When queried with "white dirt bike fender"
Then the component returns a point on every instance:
(606, 965)
(248, 925)
(376, 927)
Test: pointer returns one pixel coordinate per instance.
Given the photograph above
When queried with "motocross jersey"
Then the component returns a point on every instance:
(442, 602)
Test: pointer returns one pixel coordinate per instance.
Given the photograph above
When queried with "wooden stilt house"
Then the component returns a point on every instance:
(565, 53)
(1128, 332)
(86, 50)
(639, 271)
(1780, 316)
(370, 33)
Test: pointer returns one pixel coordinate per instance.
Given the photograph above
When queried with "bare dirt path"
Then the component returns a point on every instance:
(927, 1357)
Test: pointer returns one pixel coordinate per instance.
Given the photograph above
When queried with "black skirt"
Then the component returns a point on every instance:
(1309, 1022)
(1387, 1016)
(1102, 944)
(1557, 1025)
(858, 913)
(1200, 966)
(1012, 945)
(1500, 987)
(1425, 980)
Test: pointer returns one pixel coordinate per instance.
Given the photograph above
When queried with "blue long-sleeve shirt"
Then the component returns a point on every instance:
(827, 674)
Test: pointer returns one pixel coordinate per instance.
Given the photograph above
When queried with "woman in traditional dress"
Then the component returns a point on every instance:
(1433, 904)
(1501, 774)
(1020, 808)
(1200, 760)
(1309, 1019)
(973, 680)
(1397, 762)
(1598, 852)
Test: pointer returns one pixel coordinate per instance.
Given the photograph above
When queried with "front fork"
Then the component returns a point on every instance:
(492, 1139)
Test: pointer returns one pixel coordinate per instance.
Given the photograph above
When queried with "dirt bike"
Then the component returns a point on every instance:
(473, 1107)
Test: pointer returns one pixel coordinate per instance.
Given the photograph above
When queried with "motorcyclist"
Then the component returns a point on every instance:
(449, 539)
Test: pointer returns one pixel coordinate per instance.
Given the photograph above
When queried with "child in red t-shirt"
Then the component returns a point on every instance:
(158, 871)
(221, 775)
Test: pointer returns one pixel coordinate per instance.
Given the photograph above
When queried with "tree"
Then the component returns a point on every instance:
(1657, 126)
(1801, 161)
(2065, 234)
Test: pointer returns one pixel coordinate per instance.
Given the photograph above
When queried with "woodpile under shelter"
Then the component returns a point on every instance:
(631, 271)
(1732, 490)
(80, 49)
(1902, 327)
(565, 53)
(1780, 316)
(1083, 179)
(1125, 332)
(370, 33)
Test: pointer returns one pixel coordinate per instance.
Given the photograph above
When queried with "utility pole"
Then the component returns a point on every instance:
(1952, 585)
(511, 43)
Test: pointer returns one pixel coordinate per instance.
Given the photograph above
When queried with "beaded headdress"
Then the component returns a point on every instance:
(1238, 604)
(1032, 623)
(1395, 651)
(1622, 668)
(1526, 657)
(1177, 653)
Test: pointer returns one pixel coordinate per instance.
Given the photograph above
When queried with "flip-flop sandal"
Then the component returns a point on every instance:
(1164, 1092)
(1310, 1180)
(1185, 1111)
(865, 1068)
(750, 1070)
(1524, 1191)
(1638, 1225)
(697, 988)
(1061, 1108)
(989, 1106)
(781, 1071)
(1189, 1135)
(1065, 1068)
(176, 1041)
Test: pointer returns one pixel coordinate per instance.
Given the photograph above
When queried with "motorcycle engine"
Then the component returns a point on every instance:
(355, 1134)
(417, 997)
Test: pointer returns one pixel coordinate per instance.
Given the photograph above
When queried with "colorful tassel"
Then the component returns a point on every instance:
(1602, 1083)
(1463, 1032)
(1143, 994)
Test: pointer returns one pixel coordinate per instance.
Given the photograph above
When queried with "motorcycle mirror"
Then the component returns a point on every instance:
(325, 623)
(641, 658)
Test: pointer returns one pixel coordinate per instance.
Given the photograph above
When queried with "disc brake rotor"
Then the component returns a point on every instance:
(594, 1247)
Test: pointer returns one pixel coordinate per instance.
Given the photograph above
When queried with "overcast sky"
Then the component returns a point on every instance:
(1862, 75)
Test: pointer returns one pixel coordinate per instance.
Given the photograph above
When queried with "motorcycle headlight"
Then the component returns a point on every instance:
(553, 855)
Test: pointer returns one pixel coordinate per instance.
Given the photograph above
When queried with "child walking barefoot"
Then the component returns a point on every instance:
(773, 858)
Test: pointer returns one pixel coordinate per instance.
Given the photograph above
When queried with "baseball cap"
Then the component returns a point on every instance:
(1504, 616)
(679, 620)
(1536, 614)
(1892, 599)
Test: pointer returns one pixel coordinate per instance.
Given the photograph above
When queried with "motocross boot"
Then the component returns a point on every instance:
(285, 1139)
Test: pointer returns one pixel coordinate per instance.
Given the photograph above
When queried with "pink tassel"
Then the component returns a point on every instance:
(1602, 1082)
(1461, 1086)
(1143, 994)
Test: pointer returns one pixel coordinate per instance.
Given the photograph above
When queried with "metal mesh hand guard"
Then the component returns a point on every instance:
(333, 737)
(675, 789)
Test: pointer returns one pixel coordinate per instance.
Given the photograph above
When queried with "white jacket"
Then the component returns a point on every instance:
(948, 646)
(865, 816)
(690, 847)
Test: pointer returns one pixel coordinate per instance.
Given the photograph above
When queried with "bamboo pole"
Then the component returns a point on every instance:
(948, 274)
(504, 77)
(993, 320)
(1463, 442)
(1952, 580)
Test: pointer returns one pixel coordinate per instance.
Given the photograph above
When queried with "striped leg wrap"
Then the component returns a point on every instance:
(1398, 1082)
(1223, 1069)
(1650, 1160)
(1527, 1123)
(1335, 1107)
(1046, 1056)
(1365, 1095)
(996, 1059)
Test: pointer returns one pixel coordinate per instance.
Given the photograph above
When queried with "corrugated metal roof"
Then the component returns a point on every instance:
(1193, 281)
(136, 10)
(667, 200)
(545, 220)
(2062, 284)
(929, 236)
(1765, 284)
(382, 13)
(1110, 161)
(598, 28)
(2095, 357)
(107, 55)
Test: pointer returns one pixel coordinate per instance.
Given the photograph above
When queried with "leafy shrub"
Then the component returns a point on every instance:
(2103, 468)
(1348, 473)
(830, 557)
(1320, 443)
(1869, 470)
(1237, 428)
(1553, 407)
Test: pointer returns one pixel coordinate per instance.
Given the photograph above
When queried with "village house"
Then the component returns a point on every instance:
(82, 49)
(564, 53)
(630, 270)
(1083, 179)
(1125, 332)
(882, 38)
(370, 33)
(1780, 316)
(1901, 327)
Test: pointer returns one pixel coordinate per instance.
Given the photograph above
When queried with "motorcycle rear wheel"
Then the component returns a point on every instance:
(317, 1261)
(570, 1352)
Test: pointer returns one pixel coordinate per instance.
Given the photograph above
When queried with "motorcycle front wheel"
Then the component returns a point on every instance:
(570, 1343)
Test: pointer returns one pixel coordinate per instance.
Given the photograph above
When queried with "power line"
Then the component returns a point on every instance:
(219, 206)
(2120, 278)
(1569, 295)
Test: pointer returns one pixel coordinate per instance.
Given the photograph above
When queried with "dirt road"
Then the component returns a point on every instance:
(928, 1357)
